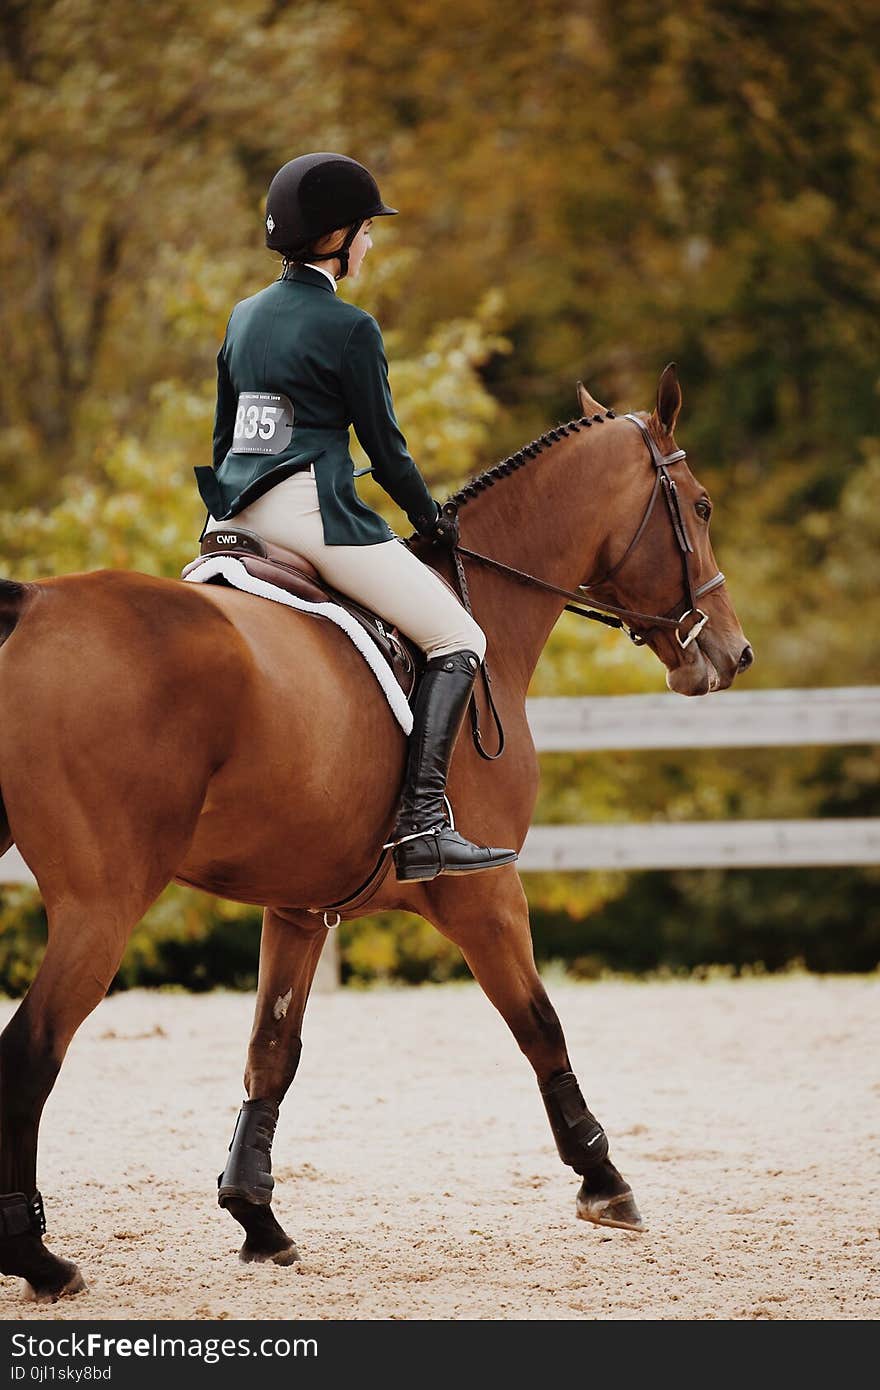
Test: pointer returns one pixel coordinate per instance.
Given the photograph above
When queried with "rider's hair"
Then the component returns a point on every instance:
(303, 251)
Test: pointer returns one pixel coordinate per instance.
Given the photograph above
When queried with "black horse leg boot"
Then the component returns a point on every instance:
(424, 842)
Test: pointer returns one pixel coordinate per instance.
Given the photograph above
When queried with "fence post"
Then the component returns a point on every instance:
(327, 974)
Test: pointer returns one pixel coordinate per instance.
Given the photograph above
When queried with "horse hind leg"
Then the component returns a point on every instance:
(97, 885)
(490, 925)
(81, 958)
(290, 948)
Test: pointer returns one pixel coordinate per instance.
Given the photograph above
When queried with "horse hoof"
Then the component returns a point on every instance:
(620, 1211)
(249, 1255)
(266, 1241)
(50, 1293)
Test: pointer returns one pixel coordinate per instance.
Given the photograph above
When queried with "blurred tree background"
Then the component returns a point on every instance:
(588, 189)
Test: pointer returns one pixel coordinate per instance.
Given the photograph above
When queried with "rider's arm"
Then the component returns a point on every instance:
(368, 397)
(224, 418)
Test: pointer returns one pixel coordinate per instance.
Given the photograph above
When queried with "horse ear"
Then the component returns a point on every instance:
(588, 405)
(668, 398)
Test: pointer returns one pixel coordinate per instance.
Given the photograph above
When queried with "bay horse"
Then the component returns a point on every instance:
(156, 731)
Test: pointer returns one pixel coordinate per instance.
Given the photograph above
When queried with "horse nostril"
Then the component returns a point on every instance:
(746, 659)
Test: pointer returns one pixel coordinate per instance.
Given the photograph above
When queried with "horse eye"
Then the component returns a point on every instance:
(703, 509)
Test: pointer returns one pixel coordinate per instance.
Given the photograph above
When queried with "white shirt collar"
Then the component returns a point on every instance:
(323, 272)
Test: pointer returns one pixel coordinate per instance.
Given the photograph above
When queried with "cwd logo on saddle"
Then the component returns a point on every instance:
(235, 540)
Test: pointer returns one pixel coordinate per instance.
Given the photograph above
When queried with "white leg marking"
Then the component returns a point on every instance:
(282, 1003)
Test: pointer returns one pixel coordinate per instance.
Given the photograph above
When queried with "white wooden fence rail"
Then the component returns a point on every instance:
(740, 844)
(733, 719)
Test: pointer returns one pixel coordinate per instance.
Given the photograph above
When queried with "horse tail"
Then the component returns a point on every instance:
(13, 601)
(14, 598)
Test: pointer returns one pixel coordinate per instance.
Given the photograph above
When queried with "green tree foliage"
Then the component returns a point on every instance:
(694, 181)
(587, 190)
(138, 141)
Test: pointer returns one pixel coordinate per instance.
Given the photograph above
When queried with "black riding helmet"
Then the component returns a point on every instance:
(313, 195)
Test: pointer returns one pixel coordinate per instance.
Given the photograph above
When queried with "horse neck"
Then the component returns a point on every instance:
(548, 518)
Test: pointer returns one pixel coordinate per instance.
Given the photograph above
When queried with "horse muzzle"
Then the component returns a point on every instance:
(705, 667)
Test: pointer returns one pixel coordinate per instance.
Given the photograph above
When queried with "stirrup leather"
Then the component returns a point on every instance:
(416, 835)
(435, 829)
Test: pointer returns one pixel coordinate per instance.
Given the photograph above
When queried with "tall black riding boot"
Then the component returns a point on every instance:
(425, 844)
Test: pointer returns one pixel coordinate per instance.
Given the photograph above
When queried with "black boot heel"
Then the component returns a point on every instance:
(426, 856)
(417, 860)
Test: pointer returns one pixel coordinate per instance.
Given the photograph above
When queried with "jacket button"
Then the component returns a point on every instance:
(450, 666)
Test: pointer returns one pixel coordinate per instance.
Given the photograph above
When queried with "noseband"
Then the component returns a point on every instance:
(636, 625)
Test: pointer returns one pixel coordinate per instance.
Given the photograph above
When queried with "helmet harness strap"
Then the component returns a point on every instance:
(342, 253)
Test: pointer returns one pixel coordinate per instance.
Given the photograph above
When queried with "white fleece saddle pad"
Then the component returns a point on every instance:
(234, 572)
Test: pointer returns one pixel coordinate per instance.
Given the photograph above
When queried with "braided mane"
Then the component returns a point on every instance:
(529, 451)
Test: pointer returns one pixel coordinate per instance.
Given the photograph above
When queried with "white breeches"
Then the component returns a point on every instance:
(386, 578)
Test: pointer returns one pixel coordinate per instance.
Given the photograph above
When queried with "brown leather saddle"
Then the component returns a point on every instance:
(287, 570)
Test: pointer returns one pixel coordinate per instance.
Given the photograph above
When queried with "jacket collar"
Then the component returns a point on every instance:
(306, 275)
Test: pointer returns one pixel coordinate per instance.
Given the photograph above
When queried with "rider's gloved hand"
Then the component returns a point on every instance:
(442, 529)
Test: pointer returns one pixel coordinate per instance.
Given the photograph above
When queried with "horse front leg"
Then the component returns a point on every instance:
(290, 948)
(488, 919)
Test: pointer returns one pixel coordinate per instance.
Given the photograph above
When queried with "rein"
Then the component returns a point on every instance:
(608, 613)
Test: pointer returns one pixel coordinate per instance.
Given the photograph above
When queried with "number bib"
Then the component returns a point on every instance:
(263, 423)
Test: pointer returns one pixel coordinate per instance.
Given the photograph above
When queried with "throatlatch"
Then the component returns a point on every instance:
(580, 1139)
(248, 1171)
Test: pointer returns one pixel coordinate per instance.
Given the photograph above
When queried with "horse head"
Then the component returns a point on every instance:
(656, 557)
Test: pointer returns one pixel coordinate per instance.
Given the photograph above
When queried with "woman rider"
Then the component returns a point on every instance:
(297, 367)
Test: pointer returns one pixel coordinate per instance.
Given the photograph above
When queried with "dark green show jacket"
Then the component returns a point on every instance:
(297, 339)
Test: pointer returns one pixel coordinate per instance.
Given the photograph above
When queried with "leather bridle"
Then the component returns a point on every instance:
(663, 482)
(637, 626)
